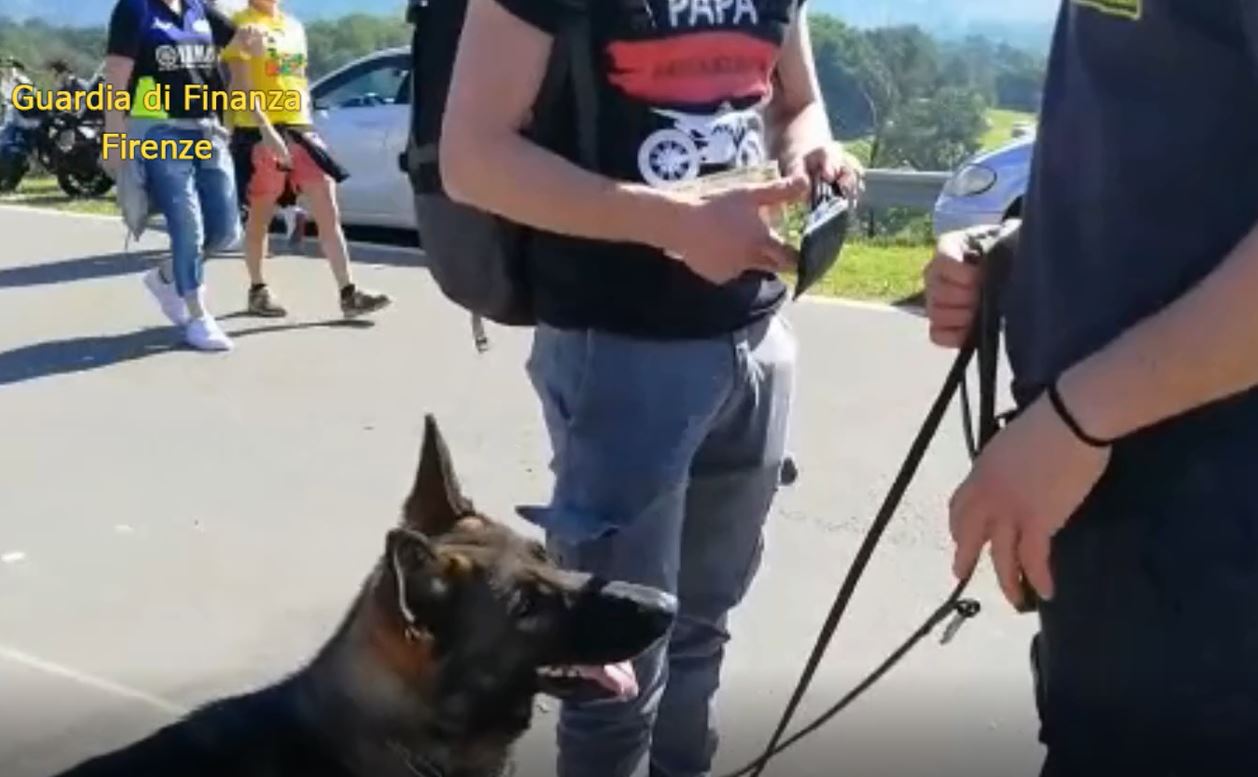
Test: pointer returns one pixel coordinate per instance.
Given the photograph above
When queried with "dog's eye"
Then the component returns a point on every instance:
(539, 552)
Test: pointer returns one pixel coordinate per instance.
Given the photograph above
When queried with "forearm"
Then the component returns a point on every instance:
(509, 175)
(117, 73)
(801, 131)
(797, 113)
(486, 160)
(1200, 349)
(242, 81)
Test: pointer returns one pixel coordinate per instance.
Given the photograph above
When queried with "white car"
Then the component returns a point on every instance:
(363, 113)
(988, 189)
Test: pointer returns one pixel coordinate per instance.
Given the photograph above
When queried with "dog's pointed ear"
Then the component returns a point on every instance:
(411, 566)
(435, 504)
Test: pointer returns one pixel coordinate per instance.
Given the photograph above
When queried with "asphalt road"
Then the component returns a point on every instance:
(176, 526)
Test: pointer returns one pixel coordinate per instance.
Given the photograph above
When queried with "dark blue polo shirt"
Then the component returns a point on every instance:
(1145, 174)
(1145, 178)
(178, 52)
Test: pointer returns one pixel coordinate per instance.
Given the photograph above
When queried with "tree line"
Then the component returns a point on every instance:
(900, 96)
(918, 102)
(332, 43)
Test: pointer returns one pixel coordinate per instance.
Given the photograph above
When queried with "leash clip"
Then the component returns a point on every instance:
(478, 334)
(965, 610)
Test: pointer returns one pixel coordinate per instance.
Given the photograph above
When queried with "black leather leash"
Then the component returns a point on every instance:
(983, 342)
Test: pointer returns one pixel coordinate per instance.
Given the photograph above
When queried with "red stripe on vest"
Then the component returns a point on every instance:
(699, 67)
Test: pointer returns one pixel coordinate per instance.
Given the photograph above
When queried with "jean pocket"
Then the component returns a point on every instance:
(558, 367)
(626, 418)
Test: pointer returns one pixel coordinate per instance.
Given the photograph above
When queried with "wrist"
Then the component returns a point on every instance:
(660, 219)
(1075, 400)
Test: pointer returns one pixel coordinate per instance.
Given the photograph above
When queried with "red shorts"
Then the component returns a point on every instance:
(268, 179)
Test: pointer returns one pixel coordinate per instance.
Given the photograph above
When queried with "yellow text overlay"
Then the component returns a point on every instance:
(195, 99)
(115, 145)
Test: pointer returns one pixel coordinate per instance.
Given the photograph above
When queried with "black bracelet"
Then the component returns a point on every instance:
(1063, 412)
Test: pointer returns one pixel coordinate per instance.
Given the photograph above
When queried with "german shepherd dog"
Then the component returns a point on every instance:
(434, 670)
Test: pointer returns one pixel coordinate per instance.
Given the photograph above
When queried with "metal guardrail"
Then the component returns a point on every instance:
(903, 188)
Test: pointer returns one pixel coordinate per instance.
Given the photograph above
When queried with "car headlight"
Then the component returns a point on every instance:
(970, 181)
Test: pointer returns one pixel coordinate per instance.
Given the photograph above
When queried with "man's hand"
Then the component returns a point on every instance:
(250, 39)
(833, 164)
(722, 237)
(1023, 489)
(952, 292)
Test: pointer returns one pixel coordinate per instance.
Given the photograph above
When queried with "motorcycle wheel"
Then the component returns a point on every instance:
(94, 184)
(668, 156)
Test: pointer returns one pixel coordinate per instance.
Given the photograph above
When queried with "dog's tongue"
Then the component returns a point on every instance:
(618, 679)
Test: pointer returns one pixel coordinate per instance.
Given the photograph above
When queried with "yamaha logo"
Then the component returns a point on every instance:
(185, 56)
(167, 57)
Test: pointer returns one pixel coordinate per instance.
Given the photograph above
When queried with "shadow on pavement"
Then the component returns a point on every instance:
(77, 269)
(82, 354)
(121, 263)
(266, 329)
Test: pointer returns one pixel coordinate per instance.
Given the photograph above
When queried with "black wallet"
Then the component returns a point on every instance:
(825, 232)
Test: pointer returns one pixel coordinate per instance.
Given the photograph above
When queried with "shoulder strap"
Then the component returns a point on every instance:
(572, 64)
(585, 88)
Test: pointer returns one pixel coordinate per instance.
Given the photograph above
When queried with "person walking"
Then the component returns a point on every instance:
(279, 73)
(171, 48)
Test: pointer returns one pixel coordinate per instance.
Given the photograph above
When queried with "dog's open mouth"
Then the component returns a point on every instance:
(614, 682)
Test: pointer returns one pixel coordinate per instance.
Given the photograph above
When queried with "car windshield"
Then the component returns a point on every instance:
(373, 83)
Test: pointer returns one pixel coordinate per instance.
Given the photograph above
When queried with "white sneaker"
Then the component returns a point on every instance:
(168, 299)
(204, 334)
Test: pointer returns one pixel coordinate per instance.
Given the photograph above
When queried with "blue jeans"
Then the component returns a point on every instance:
(198, 199)
(667, 456)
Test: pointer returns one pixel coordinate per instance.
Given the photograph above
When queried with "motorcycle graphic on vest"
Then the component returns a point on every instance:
(729, 139)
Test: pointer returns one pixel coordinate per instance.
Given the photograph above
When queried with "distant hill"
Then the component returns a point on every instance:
(940, 14)
(1025, 23)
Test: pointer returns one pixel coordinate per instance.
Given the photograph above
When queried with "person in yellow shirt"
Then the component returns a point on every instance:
(278, 83)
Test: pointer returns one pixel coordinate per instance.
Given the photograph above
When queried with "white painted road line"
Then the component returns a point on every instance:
(97, 683)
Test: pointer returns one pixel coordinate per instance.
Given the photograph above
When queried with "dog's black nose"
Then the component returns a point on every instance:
(613, 621)
(649, 600)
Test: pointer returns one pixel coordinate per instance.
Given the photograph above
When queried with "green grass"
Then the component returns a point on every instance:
(42, 191)
(881, 269)
(1000, 124)
(876, 271)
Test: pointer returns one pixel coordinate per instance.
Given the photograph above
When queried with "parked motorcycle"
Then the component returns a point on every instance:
(67, 144)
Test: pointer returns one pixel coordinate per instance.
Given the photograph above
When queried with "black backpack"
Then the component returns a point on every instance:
(478, 258)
